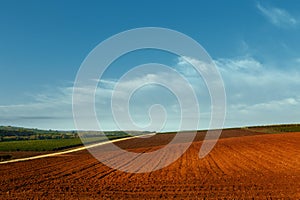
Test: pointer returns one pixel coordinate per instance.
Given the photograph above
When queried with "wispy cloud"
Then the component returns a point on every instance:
(278, 17)
(259, 93)
(248, 64)
(46, 110)
(256, 94)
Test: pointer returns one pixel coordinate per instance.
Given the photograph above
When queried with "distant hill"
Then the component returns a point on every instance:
(276, 128)
(9, 133)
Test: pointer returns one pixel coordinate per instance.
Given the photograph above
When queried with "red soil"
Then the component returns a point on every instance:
(23, 154)
(255, 166)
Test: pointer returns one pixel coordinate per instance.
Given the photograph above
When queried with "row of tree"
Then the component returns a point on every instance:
(9, 133)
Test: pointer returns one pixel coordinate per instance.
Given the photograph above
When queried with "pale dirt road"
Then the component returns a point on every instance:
(72, 150)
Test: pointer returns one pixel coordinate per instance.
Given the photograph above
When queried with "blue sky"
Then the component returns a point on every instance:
(255, 45)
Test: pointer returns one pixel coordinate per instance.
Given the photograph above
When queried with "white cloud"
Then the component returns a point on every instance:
(277, 16)
(256, 94)
(254, 82)
(148, 94)
(48, 109)
(269, 112)
(248, 64)
(272, 105)
(184, 65)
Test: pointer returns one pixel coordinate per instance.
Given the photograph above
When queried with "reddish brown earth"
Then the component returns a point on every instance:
(253, 166)
(23, 154)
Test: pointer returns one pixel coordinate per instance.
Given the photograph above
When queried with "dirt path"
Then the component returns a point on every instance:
(71, 150)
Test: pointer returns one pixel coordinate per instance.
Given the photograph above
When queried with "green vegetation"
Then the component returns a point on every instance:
(9, 133)
(39, 145)
(23, 139)
(287, 128)
(281, 128)
(52, 144)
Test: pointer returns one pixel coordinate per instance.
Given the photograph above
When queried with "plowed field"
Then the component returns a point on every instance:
(261, 166)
